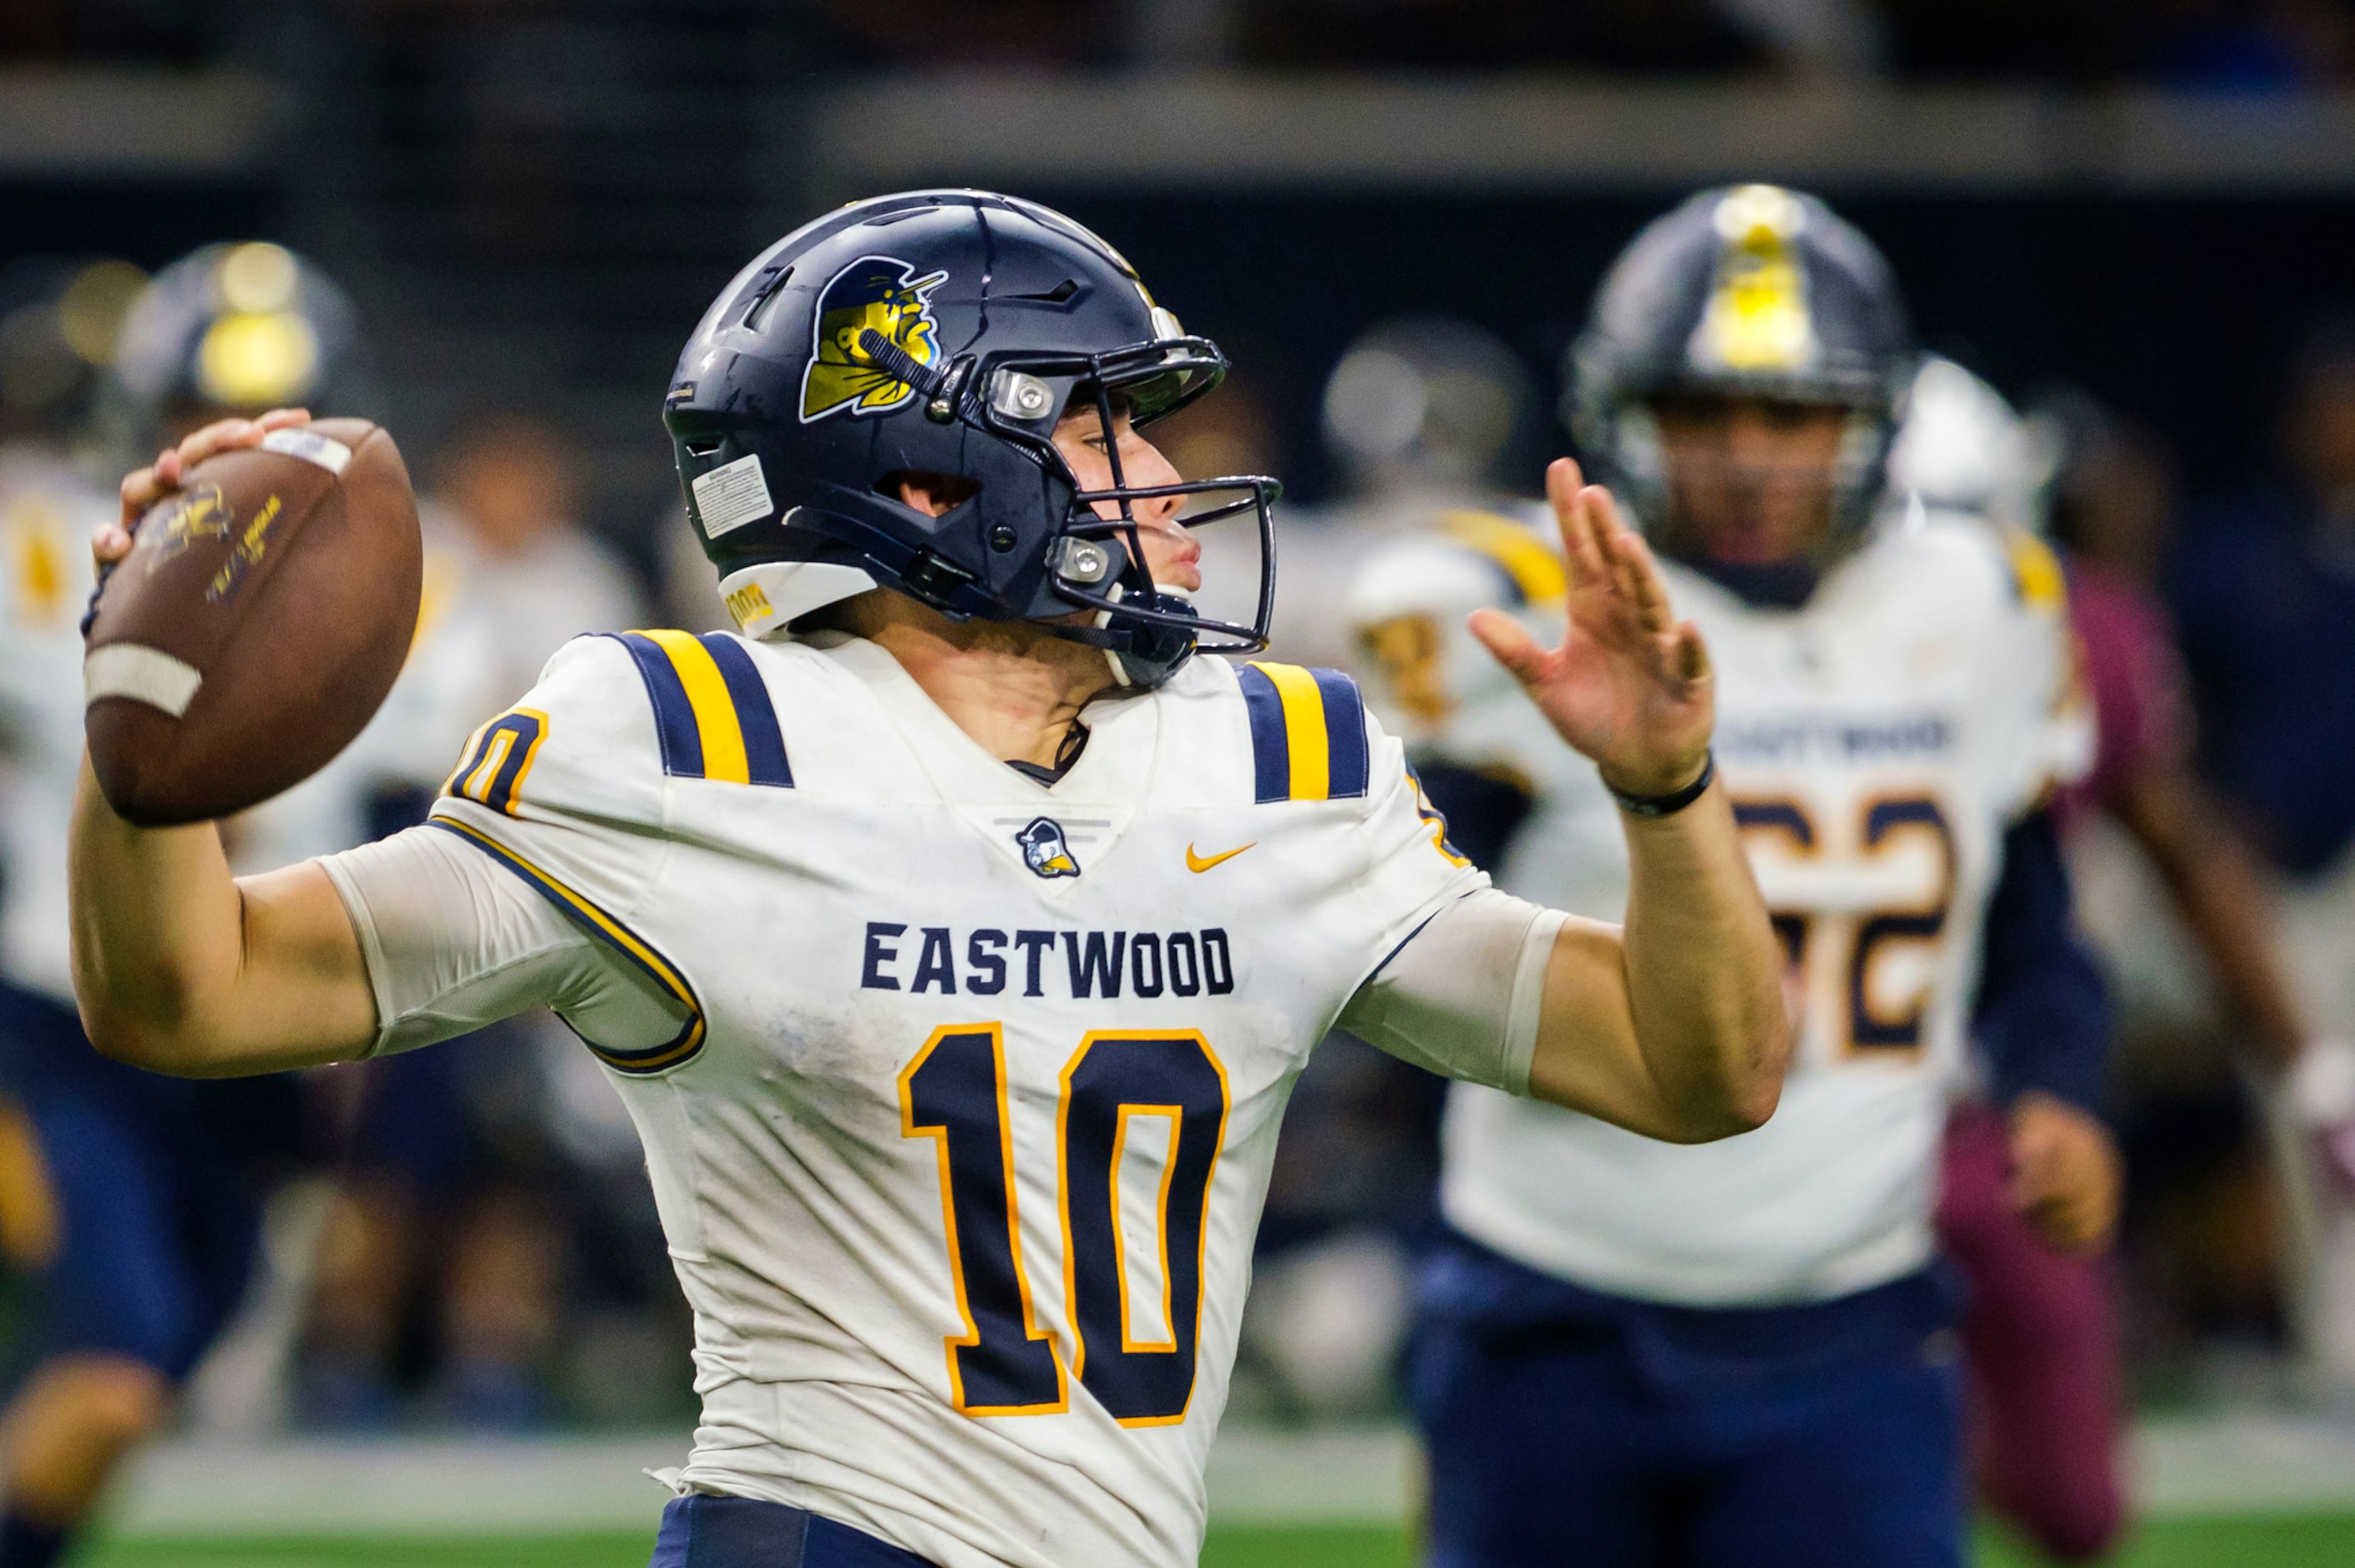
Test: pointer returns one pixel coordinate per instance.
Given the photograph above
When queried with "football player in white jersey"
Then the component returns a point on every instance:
(1632, 1353)
(954, 934)
(154, 1186)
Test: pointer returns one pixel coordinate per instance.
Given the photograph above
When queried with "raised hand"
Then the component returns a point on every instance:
(1630, 686)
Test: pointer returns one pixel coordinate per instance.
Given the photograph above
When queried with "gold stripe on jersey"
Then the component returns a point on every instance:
(1535, 571)
(2035, 572)
(715, 723)
(1304, 729)
(642, 954)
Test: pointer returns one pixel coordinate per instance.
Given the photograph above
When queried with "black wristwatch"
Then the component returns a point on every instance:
(1668, 805)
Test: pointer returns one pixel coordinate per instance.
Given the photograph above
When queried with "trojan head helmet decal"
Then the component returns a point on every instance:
(1043, 849)
(878, 291)
(1758, 317)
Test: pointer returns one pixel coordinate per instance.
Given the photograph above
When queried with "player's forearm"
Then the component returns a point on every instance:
(180, 970)
(2212, 878)
(1703, 972)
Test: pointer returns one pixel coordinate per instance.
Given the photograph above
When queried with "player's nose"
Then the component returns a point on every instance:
(1148, 469)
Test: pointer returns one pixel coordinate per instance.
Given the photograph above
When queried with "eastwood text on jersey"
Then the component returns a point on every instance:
(1093, 963)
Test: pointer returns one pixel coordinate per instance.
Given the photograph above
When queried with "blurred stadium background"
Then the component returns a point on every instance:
(2147, 205)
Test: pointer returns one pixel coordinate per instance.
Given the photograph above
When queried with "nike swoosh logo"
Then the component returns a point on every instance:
(1197, 863)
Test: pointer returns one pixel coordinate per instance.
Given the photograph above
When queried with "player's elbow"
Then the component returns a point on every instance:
(121, 1036)
(155, 1026)
(1754, 1087)
(1722, 1120)
(1743, 1095)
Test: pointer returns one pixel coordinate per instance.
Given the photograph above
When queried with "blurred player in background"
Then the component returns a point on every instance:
(1740, 1354)
(2262, 587)
(1420, 414)
(458, 1191)
(2040, 1329)
(155, 1184)
(1422, 418)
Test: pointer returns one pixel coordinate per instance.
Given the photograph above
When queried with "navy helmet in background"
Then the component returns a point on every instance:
(1427, 402)
(238, 328)
(59, 318)
(945, 333)
(1744, 292)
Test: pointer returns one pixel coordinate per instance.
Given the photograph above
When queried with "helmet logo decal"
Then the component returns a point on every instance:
(878, 291)
(1757, 317)
(255, 359)
(1043, 849)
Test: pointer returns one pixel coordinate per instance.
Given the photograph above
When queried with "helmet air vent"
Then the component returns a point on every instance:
(1059, 294)
(764, 298)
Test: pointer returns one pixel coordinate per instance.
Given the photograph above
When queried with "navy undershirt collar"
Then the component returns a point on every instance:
(1067, 755)
(1770, 585)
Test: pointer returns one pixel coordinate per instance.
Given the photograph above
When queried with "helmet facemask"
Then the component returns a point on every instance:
(1097, 562)
(1778, 502)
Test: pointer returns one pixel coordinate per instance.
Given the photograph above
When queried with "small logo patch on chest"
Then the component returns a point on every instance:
(1043, 849)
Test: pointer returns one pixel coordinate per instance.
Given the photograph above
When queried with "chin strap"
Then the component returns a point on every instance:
(1142, 655)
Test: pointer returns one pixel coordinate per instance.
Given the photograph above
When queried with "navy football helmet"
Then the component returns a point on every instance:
(1741, 291)
(238, 329)
(946, 333)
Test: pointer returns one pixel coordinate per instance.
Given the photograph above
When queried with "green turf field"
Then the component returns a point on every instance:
(2326, 1541)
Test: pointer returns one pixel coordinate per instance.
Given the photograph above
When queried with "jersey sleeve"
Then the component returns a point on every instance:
(1462, 996)
(566, 792)
(2038, 715)
(451, 942)
(1411, 870)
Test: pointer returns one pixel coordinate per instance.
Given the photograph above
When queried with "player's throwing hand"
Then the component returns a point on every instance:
(143, 488)
(1630, 686)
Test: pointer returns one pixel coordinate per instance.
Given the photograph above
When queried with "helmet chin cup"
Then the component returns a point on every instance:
(1155, 651)
(1143, 652)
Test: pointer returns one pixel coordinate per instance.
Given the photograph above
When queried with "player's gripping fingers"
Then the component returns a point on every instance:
(108, 542)
(227, 435)
(1509, 644)
(143, 487)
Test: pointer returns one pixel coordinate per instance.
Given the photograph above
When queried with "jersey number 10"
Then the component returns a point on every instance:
(1003, 1365)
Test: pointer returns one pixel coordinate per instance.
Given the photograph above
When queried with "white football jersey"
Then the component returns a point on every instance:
(962, 1138)
(47, 511)
(1877, 744)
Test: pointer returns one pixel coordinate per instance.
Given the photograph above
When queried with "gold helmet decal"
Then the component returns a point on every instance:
(878, 291)
(1757, 317)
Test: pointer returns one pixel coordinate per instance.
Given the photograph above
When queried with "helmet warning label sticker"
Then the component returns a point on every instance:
(731, 496)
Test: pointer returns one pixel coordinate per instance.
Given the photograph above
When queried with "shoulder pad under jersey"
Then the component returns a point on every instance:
(614, 717)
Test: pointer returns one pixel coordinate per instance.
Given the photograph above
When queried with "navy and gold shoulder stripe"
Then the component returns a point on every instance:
(1308, 733)
(712, 711)
(641, 954)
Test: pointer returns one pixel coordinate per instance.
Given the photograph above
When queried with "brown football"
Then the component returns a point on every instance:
(256, 625)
